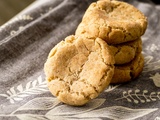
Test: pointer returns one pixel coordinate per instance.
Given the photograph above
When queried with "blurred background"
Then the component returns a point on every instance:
(9, 8)
(156, 1)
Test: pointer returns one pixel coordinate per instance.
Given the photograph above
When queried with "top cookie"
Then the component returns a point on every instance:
(78, 69)
(113, 21)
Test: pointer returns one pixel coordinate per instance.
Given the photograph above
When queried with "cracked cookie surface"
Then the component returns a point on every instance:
(128, 72)
(113, 21)
(79, 69)
(126, 52)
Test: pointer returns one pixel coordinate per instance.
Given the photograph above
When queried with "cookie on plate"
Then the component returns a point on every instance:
(126, 52)
(128, 72)
(113, 21)
(79, 69)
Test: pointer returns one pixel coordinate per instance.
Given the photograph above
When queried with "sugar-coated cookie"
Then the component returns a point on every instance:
(128, 72)
(79, 69)
(113, 21)
(126, 52)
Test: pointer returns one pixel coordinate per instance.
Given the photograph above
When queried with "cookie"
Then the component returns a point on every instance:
(79, 69)
(126, 52)
(113, 21)
(128, 72)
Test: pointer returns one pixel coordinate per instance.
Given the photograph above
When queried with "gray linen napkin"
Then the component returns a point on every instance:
(25, 42)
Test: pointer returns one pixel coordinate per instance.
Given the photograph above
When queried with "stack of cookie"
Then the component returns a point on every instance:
(106, 48)
(121, 25)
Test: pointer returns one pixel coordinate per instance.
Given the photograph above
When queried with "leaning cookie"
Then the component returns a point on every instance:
(79, 69)
(126, 52)
(113, 21)
(128, 72)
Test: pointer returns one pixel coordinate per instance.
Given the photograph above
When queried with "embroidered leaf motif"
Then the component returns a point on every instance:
(41, 103)
(70, 110)
(137, 97)
(23, 17)
(34, 83)
(30, 117)
(17, 99)
(28, 85)
(111, 87)
(150, 65)
(16, 31)
(116, 113)
(4, 95)
(156, 79)
(32, 88)
(18, 18)
(20, 88)
(13, 92)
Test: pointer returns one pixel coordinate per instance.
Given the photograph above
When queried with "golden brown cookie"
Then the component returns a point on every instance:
(126, 52)
(128, 72)
(79, 69)
(113, 21)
